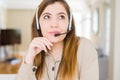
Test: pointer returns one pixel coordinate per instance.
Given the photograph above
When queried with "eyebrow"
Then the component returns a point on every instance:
(62, 13)
(47, 13)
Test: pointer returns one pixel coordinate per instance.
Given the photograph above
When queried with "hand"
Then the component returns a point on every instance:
(37, 45)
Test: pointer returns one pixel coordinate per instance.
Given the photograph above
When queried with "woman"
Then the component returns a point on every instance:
(55, 52)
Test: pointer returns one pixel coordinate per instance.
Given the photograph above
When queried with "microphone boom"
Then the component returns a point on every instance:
(60, 34)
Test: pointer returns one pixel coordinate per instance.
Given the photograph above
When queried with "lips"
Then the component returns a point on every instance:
(54, 32)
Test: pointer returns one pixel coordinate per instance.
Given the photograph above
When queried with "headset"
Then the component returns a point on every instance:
(37, 20)
(38, 24)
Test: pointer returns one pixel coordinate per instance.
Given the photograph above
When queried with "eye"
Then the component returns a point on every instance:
(61, 17)
(46, 17)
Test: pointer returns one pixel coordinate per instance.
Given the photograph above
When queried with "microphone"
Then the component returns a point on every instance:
(59, 34)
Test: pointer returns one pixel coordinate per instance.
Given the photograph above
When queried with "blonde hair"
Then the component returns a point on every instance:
(68, 63)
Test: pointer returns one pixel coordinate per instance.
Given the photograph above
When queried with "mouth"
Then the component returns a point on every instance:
(54, 32)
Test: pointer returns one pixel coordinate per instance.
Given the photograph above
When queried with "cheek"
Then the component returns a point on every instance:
(44, 30)
(64, 27)
(66, 23)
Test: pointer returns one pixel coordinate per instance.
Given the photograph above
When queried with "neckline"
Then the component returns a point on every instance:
(58, 58)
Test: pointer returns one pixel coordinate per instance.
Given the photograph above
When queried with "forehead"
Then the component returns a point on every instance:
(55, 8)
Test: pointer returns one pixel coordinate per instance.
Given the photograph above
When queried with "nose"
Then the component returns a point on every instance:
(54, 23)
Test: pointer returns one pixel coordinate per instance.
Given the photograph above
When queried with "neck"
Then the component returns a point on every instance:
(57, 49)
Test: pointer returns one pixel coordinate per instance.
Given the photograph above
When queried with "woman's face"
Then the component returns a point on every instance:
(54, 20)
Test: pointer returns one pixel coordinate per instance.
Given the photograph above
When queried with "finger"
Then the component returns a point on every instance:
(44, 47)
(47, 45)
(44, 41)
(48, 41)
(41, 46)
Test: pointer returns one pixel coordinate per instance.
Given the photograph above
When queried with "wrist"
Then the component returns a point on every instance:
(29, 60)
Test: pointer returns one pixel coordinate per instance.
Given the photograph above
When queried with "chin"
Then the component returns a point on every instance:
(56, 39)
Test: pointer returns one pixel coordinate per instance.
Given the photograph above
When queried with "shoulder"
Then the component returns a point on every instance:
(85, 43)
(87, 60)
(86, 50)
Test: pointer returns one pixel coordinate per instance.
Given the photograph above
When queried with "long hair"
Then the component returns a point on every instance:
(67, 67)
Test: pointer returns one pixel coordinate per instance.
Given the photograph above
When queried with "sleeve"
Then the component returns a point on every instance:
(26, 72)
(89, 61)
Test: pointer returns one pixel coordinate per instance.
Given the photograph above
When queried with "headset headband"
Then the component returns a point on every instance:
(37, 20)
(70, 22)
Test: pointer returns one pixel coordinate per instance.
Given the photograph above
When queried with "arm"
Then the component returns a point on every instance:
(27, 70)
(89, 61)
